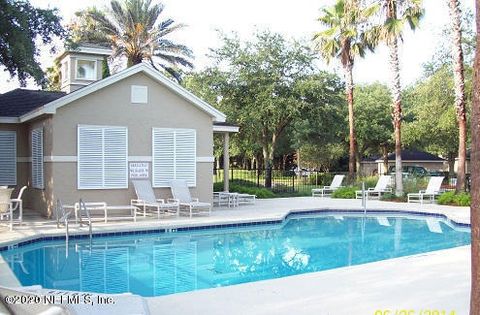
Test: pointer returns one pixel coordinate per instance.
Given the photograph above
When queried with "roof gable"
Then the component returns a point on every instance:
(51, 107)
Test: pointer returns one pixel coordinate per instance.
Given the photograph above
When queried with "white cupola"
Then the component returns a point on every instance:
(82, 66)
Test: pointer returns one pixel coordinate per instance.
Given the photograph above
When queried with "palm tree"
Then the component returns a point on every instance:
(397, 13)
(344, 39)
(475, 162)
(134, 30)
(459, 80)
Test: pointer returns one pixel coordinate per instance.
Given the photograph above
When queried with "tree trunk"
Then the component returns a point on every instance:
(268, 153)
(397, 113)
(451, 164)
(475, 167)
(385, 159)
(351, 123)
(459, 79)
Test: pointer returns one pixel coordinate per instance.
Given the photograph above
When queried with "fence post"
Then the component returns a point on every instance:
(293, 182)
(258, 177)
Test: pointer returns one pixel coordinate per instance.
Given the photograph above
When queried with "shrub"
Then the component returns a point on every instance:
(450, 198)
(258, 191)
(345, 193)
(393, 197)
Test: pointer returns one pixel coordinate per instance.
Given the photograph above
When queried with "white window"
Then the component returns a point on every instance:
(102, 157)
(86, 69)
(8, 158)
(37, 158)
(174, 156)
(139, 94)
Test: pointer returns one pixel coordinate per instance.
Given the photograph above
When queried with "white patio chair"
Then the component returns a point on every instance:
(6, 208)
(433, 190)
(146, 199)
(17, 204)
(327, 190)
(380, 188)
(181, 194)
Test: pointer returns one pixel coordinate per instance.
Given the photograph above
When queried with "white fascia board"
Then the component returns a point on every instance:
(9, 120)
(225, 128)
(51, 107)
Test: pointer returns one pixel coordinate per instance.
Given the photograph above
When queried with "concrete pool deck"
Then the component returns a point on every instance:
(437, 280)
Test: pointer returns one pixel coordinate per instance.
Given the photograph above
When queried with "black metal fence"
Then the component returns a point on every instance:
(291, 183)
(288, 182)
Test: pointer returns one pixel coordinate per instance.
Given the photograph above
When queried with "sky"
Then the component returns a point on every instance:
(294, 19)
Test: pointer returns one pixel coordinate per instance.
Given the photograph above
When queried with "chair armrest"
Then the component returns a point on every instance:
(137, 202)
(160, 200)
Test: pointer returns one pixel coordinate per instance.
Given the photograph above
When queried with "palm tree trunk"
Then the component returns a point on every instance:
(459, 79)
(475, 189)
(351, 123)
(395, 90)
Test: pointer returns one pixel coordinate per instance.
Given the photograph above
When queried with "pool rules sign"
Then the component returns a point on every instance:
(138, 170)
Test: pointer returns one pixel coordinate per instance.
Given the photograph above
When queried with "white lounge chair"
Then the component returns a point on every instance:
(181, 194)
(327, 190)
(433, 190)
(146, 199)
(380, 188)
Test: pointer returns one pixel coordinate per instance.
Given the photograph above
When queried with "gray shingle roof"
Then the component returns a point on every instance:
(410, 155)
(21, 101)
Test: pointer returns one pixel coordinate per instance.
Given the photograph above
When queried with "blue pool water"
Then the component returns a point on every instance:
(166, 263)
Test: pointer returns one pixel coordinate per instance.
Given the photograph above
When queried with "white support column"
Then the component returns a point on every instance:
(226, 161)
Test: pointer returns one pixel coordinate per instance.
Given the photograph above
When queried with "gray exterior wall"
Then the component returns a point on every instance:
(111, 106)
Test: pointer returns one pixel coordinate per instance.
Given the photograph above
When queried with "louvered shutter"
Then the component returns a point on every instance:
(174, 156)
(37, 158)
(102, 157)
(115, 157)
(163, 159)
(8, 158)
(185, 155)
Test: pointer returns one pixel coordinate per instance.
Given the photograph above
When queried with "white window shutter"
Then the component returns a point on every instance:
(115, 157)
(185, 155)
(102, 157)
(163, 159)
(37, 158)
(8, 158)
(174, 156)
(90, 157)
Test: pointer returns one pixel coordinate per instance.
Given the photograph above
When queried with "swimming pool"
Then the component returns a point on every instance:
(166, 263)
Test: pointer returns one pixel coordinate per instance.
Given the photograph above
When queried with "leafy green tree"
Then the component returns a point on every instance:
(396, 14)
(373, 124)
(135, 30)
(316, 132)
(259, 87)
(22, 25)
(430, 117)
(345, 39)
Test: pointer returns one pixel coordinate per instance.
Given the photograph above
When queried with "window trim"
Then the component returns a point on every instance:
(42, 176)
(103, 158)
(95, 61)
(15, 180)
(64, 71)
